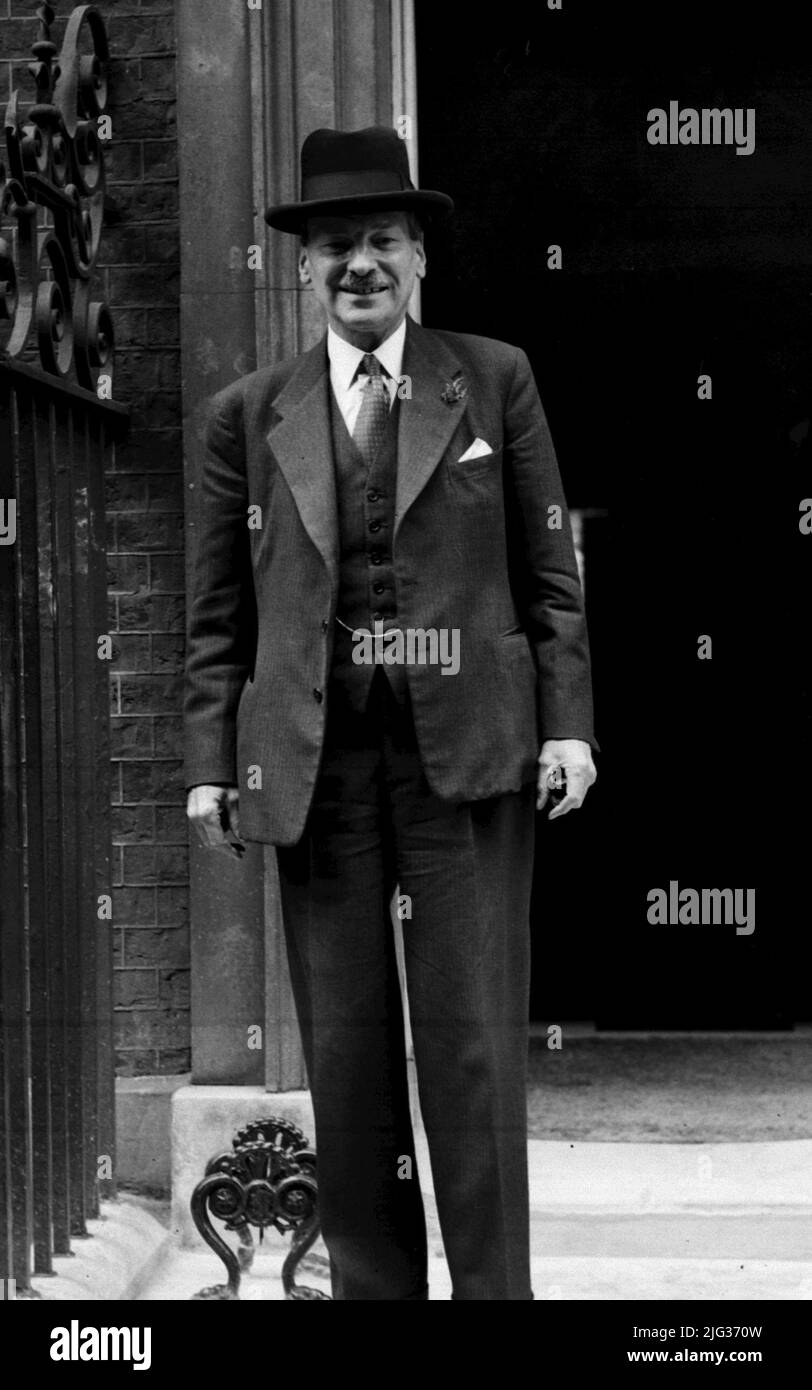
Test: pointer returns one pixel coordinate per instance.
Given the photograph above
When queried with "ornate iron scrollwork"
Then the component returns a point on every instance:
(52, 208)
(267, 1179)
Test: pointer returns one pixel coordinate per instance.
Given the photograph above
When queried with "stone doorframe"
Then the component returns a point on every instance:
(252, 83)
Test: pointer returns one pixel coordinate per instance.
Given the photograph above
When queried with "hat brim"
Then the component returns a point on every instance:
(292, 217)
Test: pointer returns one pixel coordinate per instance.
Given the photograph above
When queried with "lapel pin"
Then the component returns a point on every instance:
(455, 390)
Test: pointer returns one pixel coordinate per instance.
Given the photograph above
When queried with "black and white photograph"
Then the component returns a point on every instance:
(405, 528)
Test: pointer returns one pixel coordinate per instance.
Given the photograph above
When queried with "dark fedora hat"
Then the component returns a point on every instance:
(348, 171)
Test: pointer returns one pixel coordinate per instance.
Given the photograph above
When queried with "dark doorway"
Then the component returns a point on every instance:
(678, 262)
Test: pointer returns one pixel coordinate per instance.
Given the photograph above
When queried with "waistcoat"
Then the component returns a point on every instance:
(366, 518)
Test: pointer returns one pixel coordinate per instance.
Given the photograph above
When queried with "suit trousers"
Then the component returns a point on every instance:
(465, 872)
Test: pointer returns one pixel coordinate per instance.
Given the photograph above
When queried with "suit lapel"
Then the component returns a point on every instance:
(427, 421)
(302, 446)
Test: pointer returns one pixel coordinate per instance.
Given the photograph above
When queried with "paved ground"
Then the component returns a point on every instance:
(707, 1088)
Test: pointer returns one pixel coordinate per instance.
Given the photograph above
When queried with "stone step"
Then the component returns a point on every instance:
(646, 1178)
(576, 1255)
(766, 1236)
(554, 1278)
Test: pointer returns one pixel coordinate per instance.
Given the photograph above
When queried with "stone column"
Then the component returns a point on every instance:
(217, 345)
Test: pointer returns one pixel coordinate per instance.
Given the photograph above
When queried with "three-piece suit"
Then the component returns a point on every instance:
(367, 777)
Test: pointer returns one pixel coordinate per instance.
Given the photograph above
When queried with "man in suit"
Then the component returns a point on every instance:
(392, 479)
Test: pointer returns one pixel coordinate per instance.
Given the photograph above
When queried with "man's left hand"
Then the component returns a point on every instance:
(574, 755)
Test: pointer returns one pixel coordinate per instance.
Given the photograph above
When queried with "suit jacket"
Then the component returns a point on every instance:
(472, 550)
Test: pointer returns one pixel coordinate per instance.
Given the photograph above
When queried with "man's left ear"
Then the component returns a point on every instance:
(421, 261)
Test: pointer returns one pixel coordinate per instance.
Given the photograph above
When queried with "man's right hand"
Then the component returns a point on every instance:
(214, 812)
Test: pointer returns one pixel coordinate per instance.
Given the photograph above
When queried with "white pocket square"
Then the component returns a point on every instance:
(477, 450)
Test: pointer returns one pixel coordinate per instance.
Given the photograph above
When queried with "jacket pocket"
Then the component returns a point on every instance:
(476, 468)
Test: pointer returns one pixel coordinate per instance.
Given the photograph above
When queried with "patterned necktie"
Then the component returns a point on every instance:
(374, 413)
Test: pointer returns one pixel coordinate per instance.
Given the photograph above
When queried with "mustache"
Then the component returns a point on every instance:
(361, 286)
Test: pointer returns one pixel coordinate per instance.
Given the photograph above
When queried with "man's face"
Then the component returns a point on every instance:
(363, 271)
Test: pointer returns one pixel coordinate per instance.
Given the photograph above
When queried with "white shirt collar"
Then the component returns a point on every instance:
(344, 358)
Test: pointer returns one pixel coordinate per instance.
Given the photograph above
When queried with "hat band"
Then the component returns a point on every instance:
(350, 183)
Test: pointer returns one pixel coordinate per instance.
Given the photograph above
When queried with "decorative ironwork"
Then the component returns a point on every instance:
(268, 1179)
(52, 208)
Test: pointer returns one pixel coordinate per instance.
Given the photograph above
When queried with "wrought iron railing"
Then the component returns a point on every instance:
(58, 424)
(52, 208)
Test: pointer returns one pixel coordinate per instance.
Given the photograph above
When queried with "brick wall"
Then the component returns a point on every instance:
(140, 254)
(139, 272)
